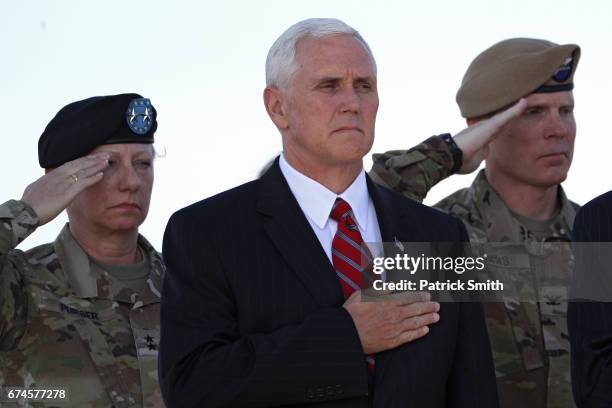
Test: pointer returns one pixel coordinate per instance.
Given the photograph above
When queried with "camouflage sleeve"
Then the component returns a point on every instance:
(415, 171)
(17, 221)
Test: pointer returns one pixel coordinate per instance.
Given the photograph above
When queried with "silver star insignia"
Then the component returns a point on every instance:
(146, 115)
(132, 116)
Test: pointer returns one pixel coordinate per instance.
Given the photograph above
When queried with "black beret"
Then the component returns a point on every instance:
(81, 126)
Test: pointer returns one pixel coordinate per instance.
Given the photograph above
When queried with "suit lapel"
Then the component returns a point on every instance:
(395, 222)
(294, 238)
(389, 225)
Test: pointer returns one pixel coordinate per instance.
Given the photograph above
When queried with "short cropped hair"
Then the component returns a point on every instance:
(280, 63)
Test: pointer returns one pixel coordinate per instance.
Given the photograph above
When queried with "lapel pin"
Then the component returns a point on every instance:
(399, 244)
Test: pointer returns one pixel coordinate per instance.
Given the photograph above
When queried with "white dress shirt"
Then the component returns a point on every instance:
(316, 202)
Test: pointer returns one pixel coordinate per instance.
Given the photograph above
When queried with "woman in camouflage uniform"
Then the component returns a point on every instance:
(81, 314)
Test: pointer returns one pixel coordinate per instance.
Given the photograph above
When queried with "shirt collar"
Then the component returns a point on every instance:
(317, 201)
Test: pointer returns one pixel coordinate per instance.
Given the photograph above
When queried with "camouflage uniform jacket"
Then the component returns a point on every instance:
(529, 339)
(63, 325)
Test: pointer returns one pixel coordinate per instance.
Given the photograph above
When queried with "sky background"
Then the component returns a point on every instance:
(202, 65)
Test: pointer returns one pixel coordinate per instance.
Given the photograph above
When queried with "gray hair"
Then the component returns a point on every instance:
(280, 63)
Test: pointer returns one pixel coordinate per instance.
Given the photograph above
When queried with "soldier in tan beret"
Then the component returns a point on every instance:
(516, 198)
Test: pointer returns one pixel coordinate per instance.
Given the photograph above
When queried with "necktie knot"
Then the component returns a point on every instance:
(341, 211)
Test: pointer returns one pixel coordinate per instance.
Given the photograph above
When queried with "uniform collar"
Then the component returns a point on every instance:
(502, 226)
(85, 283)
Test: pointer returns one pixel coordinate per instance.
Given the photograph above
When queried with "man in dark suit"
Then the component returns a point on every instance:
(590, 316)
(261, 306)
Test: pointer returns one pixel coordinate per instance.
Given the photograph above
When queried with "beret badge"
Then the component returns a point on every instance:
(564, 71)
(140, 115)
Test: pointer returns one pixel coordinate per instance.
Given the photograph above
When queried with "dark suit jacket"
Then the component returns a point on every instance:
(252, 317)
(590, 323)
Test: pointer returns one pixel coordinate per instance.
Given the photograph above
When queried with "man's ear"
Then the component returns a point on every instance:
(273, 100)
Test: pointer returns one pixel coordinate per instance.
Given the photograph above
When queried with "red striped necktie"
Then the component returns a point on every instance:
(350, 256)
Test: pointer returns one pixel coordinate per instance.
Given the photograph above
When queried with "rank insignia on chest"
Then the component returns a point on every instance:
(148, 343)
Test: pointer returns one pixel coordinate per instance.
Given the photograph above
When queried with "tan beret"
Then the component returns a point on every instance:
(514, 68)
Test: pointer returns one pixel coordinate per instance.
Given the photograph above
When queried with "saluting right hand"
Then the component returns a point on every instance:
(474, 138)
(52, 193)
(387, 324)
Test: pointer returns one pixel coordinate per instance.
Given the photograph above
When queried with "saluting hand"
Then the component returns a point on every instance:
(52, 193)
(474, 138)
